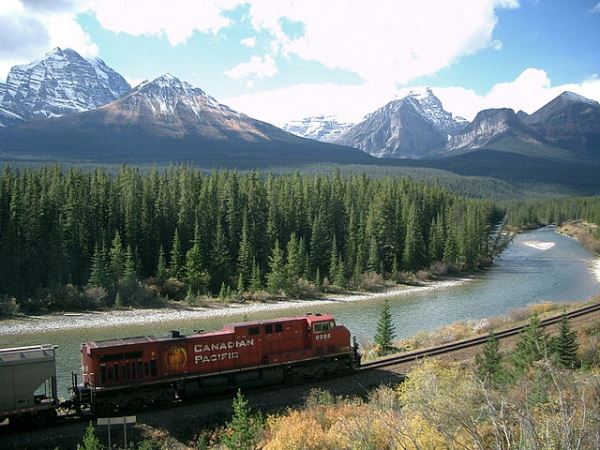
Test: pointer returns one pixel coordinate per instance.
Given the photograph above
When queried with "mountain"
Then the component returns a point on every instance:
(501, 129)
(570, 121)
(410, 127)
(63, 82)
(167, 120)
(319, 128)
(522, 114)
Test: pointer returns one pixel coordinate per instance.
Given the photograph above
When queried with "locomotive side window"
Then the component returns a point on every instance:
(103, 374)
(269, 329)
(278, 327)
(321, 326)
(253, 331)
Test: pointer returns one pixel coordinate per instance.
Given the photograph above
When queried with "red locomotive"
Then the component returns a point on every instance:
(128, 373)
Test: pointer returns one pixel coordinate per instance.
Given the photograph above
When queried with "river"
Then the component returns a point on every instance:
(539, 265)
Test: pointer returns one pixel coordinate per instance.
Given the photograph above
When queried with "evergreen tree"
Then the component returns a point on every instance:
(161, 265)
(242, 432)
(90, 440)
(219, 270)
(531, 345)
(489, 362)
(240, 284)
(116, 258)
(293, 266)
(196, 274)
(385, 331)
(245, 252)
(255, 281)
(176, 266)
(99, 269)
(276, 280)
(129, 267)
(374, 263)
(339, 277)
(566, 345)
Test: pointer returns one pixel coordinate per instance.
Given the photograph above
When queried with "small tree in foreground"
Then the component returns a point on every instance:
(90, 440)
(385, 331)
(531, 345)
(566, 345)
(242, 431)
(489, 361)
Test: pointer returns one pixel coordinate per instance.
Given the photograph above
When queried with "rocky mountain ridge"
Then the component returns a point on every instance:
(63, 82)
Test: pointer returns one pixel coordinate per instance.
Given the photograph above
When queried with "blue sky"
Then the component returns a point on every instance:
(280, 60)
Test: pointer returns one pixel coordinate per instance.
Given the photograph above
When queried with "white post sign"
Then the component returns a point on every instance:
(124, 420)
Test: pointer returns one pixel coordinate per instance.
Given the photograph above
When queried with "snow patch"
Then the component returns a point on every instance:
(539, 245)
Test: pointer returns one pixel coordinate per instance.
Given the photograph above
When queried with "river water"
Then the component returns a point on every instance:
(539, 265)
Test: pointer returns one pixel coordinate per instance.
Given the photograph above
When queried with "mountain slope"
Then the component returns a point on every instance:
(62, 82)
(501, 129)
(410, 127)
(167, 120)
(570, 121)
(319, 128)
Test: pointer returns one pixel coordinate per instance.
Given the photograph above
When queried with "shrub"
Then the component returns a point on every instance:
(372, 282)
(8, 306)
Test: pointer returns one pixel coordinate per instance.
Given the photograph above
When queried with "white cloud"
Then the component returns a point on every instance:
(176, 19)
(37, 28)
(258, 67)
(248, 42)
(390, 42)
(347, 102)
(596, 9)
(529, 91)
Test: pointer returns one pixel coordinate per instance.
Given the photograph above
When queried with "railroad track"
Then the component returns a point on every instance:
(64, 420)
(472, 342)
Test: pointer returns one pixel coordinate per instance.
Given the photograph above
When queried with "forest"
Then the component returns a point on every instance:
(72, 238)
(540, 212)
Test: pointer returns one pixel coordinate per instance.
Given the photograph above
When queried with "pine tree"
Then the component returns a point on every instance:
(373, 263)
(240, 284)
(242, 433)
(129, 267)
(98, 274)
(116, 258)
(489, 362)
(566, 345)
(245, 252)
(531, 345)
(339, 277)
(90, 440)
(385, 331)
(176, 267)
(161, 265)
(118, 301)
(293, 266)
(276, 280)
(196, 274)
(255, 281)
(219, 257)
(333, 259)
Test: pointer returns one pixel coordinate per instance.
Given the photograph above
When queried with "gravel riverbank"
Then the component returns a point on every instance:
(103, 319)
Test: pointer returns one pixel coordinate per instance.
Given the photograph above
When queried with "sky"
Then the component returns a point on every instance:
(282, 60)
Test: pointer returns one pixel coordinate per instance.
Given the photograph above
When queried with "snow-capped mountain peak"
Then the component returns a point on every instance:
(167, 93)
(319, 128)
(62, 82)
(573, 97)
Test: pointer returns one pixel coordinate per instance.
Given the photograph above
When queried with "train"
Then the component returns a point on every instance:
(131, 373)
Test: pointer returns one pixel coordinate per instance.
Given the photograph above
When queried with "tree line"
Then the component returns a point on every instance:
(186, 232)
(538, 212)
